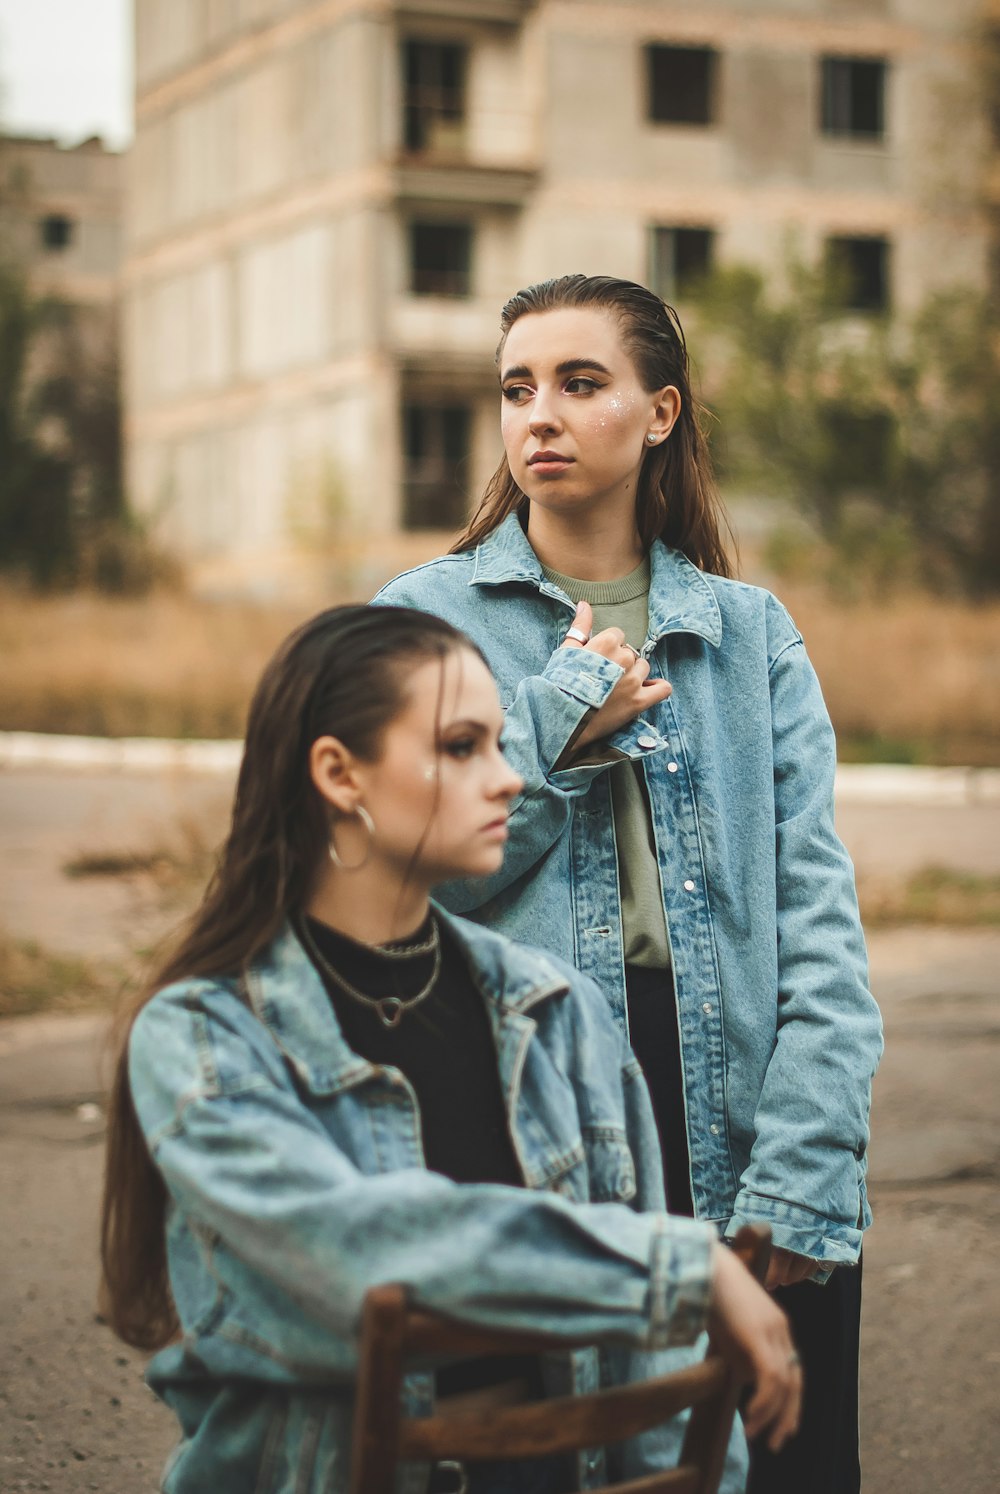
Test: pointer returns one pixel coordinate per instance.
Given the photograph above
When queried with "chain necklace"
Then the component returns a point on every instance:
(390, 1009)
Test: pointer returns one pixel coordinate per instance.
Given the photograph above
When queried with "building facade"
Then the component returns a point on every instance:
(329, 201)
(60, 215)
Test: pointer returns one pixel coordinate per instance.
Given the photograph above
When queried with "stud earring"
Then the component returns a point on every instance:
(651, 439)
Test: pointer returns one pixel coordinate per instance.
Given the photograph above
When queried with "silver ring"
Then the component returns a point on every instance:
(633, 651)
(579, 635)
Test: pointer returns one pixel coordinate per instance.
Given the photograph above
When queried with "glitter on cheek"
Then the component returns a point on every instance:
(613, 412)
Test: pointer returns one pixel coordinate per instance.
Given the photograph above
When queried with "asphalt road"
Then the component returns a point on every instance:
(74, 1413)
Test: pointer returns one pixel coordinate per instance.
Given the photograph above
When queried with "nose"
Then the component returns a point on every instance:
(543, 417)
(508, 784)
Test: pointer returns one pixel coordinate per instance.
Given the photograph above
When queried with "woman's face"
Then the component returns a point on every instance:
(574, 414)
(440, 781)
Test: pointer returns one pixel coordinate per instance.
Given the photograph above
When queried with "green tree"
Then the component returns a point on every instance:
(884, 435)
(36, 520)
(64, 520)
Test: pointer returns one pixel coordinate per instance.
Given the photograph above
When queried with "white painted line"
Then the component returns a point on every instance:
(897, 783)
(857, 783)
(25, 749)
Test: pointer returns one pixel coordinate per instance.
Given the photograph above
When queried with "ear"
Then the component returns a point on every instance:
(666, 409)
(333, 769)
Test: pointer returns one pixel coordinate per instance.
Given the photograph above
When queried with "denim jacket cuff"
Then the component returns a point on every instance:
(680, 1281)
(794, 1227)
(587, 676)
(639, 739)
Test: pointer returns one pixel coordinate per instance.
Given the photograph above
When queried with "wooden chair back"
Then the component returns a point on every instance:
(391, 1332)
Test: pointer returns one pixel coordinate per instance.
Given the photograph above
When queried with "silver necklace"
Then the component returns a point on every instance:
(390, 1009)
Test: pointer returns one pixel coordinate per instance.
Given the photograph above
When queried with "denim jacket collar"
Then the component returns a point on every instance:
(680, 598)
(287, 994)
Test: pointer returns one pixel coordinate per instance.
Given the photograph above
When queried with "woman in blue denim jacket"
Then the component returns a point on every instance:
(334, 1083)
(675, 840)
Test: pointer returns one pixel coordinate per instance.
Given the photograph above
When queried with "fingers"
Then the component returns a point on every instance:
(583, 623)
(775, 1406)
(787, 1268)
(748, 1324)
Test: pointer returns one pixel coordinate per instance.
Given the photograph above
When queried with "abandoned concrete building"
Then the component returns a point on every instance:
(329, 200)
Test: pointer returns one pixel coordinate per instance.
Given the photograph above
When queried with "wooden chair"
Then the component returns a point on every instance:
(383, 1436)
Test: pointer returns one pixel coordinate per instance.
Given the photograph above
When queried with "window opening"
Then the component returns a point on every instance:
(853, 97)
(436, 449)
(681, 84)
(434, 96)
(862, 267)
(681, 258)
(440, 259)
(56, 231)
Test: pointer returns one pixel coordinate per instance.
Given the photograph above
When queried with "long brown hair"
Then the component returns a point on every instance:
(677, 500)
(342, 673)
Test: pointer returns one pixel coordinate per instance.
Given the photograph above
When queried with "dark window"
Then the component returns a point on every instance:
(861, 270)
(440, 255)
(436, 441)
(853, 100)
(433, 95)
(681, 257)
(56, 231)
(681, 84)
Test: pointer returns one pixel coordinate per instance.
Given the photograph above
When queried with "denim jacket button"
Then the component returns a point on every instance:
(689, 885)
(671, 767)
(647, 741)
(714, 1129)
(706, 1007)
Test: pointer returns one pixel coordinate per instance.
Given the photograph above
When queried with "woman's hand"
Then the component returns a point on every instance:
(747, 1324)
(634, 692)
(786, 1268)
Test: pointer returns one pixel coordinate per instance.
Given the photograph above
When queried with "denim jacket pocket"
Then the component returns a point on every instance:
(610, 1164)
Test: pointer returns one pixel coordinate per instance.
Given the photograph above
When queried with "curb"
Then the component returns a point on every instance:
(28, 749)
(857, 783)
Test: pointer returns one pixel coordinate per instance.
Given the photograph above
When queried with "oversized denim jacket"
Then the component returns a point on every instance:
(295, 1180)
(780, 1035)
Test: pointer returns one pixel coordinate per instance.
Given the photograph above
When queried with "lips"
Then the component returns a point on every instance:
(548, 456)
(549, 461)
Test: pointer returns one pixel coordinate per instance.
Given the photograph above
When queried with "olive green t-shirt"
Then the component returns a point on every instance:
(625, 604)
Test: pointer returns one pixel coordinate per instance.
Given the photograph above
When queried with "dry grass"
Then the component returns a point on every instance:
(907, 678)
(934, 895)
(162, 666)
(176, 870)
(33, 980)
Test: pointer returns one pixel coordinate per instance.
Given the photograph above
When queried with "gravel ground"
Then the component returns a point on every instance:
(74, 1413)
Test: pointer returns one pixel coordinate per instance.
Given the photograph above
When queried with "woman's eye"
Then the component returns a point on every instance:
(581, 386)
(462, 747)
(516, 393)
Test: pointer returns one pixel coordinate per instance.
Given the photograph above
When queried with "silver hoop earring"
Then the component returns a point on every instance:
(369, 825)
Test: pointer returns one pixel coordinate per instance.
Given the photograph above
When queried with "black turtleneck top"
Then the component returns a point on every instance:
(444, 1046)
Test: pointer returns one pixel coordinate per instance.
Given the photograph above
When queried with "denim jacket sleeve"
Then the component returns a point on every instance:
(247, 1162)
(812, 1117)
(540, 722)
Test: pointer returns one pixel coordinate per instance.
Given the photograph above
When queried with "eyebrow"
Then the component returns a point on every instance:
(478, 728)
(570, 365)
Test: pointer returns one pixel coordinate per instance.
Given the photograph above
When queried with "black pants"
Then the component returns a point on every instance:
(823, 1458)
(826, 1321)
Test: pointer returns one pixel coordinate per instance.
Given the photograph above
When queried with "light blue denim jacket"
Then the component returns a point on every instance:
(296, 1180)
(780, 1035)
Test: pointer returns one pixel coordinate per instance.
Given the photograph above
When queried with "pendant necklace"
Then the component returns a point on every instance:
(389, 1009)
